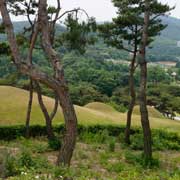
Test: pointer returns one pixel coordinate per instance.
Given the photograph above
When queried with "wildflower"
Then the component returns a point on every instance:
(23, 173)
(37, 177)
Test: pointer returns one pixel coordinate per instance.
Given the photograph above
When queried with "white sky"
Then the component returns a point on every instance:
(102, 10)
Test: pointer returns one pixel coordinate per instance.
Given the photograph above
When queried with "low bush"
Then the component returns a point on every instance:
(99, 137)
(10, 166)
(137, 141)
(26, 160)
(54, 143)
(139, 159)
(21, 164)
(162, 139)
(112, 144)
(117, 107)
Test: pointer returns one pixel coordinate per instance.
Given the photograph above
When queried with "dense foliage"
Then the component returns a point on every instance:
(92, 79)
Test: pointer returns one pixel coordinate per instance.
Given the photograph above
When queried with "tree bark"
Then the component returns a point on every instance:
(54, 111)
(49, 128)
(29, 109)
(132, 90)
(132, 101)
(69, 140)
(143, 83)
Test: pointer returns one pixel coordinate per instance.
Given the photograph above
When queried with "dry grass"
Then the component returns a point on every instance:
(13, 105)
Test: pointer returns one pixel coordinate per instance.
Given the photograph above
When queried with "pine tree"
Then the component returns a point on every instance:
(125, 33)
(42, 31)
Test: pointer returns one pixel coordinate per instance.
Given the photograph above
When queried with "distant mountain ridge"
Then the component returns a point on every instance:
(173, 29)
(164, 48)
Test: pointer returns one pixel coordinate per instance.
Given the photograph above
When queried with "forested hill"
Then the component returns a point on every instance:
(172, 31)
(164, 48)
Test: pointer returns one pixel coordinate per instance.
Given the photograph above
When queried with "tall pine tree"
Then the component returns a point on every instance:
(125, 33)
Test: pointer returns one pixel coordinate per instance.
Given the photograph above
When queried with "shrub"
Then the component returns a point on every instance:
(112, 144)
(40, 163)
(141, 160)
(137, 141)
(11, 167)
(26, 160)
(117, 107)
(102, 136)
(54, 143)
(162, 139)
(99, 137)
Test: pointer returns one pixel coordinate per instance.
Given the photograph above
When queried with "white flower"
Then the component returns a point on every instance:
(37, 177)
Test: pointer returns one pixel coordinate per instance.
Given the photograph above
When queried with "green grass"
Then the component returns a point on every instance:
(90, 161)
(13, 106)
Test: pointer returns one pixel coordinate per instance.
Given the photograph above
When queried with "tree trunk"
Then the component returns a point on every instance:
(132, 101)
(54, 111)
(69, 140)
(49, 128)
(143, 84)
(29, 108)
(144, 113)
(132, 91)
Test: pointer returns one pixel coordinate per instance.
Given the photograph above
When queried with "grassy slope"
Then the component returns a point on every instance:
(13, 104)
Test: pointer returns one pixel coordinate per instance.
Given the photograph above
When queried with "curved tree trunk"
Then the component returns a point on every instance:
(49, 128)
(69, 140)
(143, 83)
(57, 83)
(54, 111)
(29, 109)
(132, 92)
(131, 105)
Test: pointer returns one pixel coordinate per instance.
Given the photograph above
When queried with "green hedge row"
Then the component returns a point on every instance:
(13, 132)
(162, 139)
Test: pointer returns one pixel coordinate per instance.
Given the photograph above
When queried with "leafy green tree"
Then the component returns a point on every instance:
(165, 98)
(86, 93)
(156, 74)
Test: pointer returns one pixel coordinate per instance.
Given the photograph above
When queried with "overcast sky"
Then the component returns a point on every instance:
(103, 10)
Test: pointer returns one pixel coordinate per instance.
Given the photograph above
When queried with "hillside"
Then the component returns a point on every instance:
(164, 48)
(14, 102)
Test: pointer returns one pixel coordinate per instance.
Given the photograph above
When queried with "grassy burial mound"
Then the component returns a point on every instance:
(13, 106)
(152, 112)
